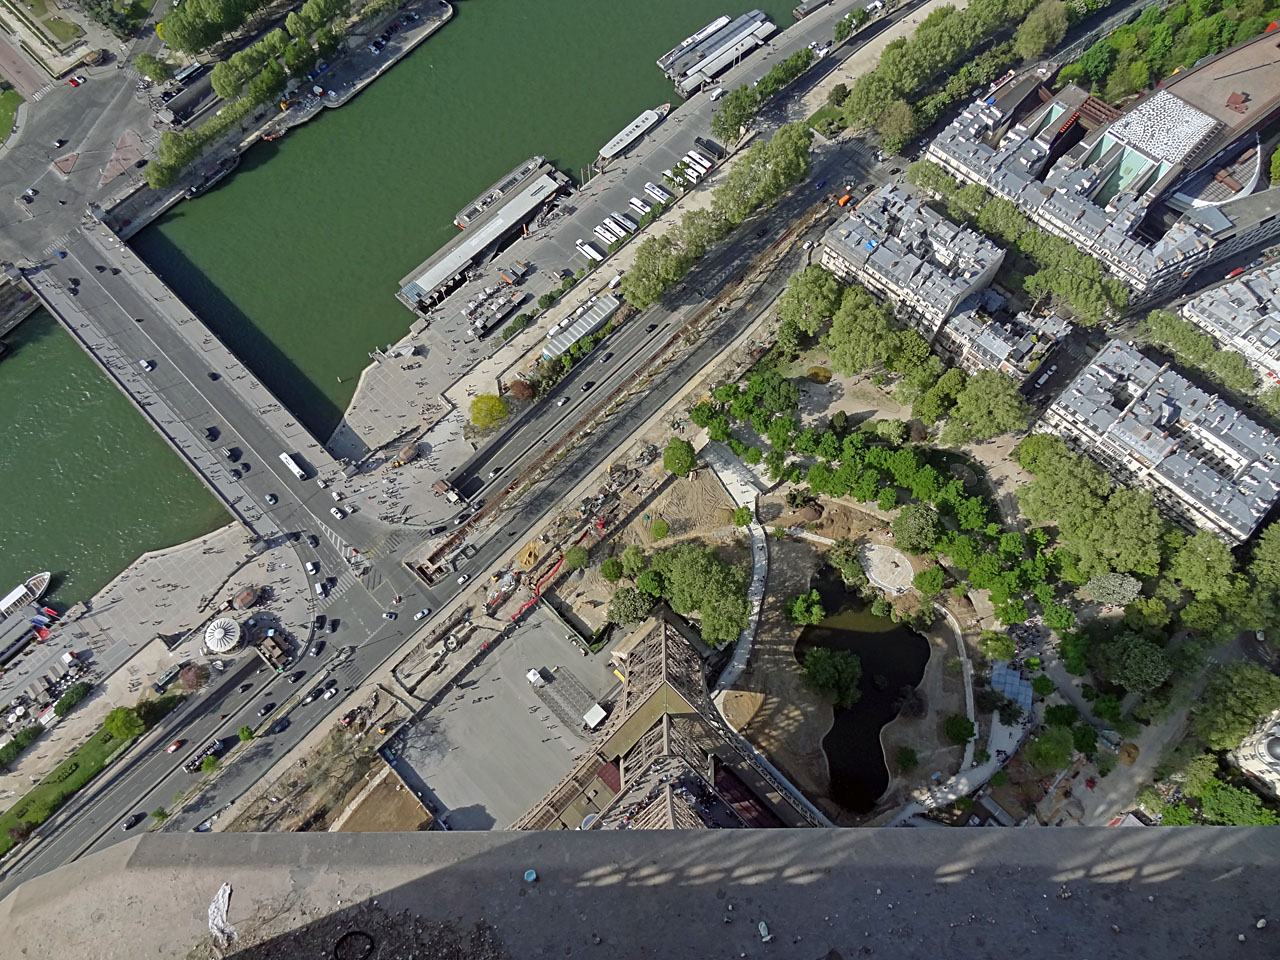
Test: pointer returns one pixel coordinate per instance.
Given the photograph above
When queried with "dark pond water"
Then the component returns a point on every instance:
(889, 650)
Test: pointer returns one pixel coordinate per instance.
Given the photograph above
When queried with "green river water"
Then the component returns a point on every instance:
(85, 483)
(294, 260)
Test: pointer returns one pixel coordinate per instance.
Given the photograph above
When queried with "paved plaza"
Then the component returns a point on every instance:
(491, 749)
(887, 568)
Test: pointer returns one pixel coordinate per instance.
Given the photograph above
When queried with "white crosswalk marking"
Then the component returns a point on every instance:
(58, 244)
(39, 94)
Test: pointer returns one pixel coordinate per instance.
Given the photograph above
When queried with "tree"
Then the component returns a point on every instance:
(209, 764)
(1132, 661)
(737, 109)
(1058, 618)
(650, 582)
(806, 608)
(193, 676)
(1061, 715)
(1203, 565)
(123, 723)
(995, 645)
(915, 528)
(1051, 750)
(837, 94)
(1084, 739)
(742, 516)
(633, 561)
(152, 67)
(659, 528)
(160, 814)
(929, 582)
(897, 125)
(611, 569)
(488, 410)
(68, 701)
(521, 389)
(1041, 685)
(245, 734)
(1232, 806)
(1236, 697)
(1113, 589)
(931, 178)
(811, 299)
(989, 405)
(1042, 30)
(21, 831)
(575, 558)
(678, 457)
(959, 729)
(628, 605)
(907, 759)
(833, 674)
(863, 333)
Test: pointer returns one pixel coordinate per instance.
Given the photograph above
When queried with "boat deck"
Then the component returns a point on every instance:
(497, 191)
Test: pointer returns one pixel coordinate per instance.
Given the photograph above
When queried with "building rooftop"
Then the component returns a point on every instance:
(1177, 893)
(1239, 88)
(501, 218)
(1196, 443)
(1248, 308)
(1164, 127)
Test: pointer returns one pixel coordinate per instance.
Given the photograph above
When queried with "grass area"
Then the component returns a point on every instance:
(827, 121)
(38, 8)
(9, 101)
(64, 31)
(59, 786)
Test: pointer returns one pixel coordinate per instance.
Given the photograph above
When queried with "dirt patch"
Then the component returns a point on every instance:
(388, 806)
(528, 555)
(772, 706)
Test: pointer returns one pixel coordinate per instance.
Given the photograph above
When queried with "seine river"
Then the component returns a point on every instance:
(294, 260)
(85, 483)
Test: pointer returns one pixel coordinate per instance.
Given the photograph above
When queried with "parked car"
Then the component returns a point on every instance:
(265, 709)
(333, 625)
(317, 647)
(318, 623)
(337, 514)
(390, 615)
(424, 612)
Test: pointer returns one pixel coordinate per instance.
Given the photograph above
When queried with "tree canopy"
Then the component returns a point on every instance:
(988, 405)
(488, 410)
(1236, 697)
(806, 608)
(833, 674)
(123, 723)
(678, 457)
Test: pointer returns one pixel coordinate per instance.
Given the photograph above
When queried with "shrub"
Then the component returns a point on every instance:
(660, 528)
(1041, 685)
(834, 675)
(908, 760)
(611, 569)
(960, 729)
(75, 693)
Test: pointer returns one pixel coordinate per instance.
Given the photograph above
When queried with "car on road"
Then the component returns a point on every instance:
(337, 514)
(331, 693)
(588, 385)
(436, 530)
(133, 820)
(895, 171)
(244, 686)
(1255, 264)
(562, 401)
(808, 244)
(147, 365)
(173, 747)
(281, 725)
(317, 648)
(236, 474)
(315, 692)
(463, 579)
(390, 615)
(313, 541)
(318, 623)
(461, 518)
(295, 676)
(272, 499)
(606, 358)
(312, 568)
(74, 81)
(265, 709)
(333, 625)
(424, 612)
(494, 472)
(762, 231)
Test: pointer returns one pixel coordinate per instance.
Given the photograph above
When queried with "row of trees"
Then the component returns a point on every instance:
(693, 579)
(757, 178)
(196, 25)
(251, 78)
(1138, 54)
(1195, 349)
(942, 45)
(739, 107)
(1067, 278)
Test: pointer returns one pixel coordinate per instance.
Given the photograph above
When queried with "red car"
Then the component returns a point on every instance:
(75, 82)
(174, 746)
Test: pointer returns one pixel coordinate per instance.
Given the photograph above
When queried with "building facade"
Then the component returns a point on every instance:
(1017, 347)
(895, 245)
(1208, 465)
(1258, 755)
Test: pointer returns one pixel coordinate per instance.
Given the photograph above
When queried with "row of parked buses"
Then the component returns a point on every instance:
(617, 226)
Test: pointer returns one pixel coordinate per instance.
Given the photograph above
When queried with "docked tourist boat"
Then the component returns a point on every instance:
(27, 593)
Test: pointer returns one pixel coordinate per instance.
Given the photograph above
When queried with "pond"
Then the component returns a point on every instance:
(887, 650)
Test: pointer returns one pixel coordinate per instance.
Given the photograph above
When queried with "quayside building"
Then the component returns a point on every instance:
(699, 58)
(1173, 183)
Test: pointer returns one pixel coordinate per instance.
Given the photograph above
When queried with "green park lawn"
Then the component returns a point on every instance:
(64, 31)
(9, 101)
(827, 121)
(59, 786)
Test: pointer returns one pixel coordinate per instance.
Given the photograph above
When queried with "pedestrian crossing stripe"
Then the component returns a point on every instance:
(58, 244)
(39, 94)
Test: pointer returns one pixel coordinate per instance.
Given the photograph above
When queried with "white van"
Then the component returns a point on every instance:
(312, 567)
(717, 93)
(320, 590)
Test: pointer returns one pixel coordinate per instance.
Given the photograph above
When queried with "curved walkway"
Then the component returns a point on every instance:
(738, 480)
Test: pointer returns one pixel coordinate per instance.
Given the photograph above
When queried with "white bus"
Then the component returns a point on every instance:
(589, 250)
(292, 464)
(698, 160)
(639, 206)
(689, 171)
(628, 222)
(617, 225)
(658, 193)
(611, 231)
(603, 235)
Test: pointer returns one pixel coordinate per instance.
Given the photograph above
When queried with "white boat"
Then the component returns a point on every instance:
(29, 592)
(633, 131)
